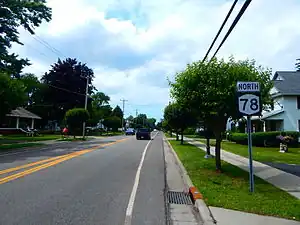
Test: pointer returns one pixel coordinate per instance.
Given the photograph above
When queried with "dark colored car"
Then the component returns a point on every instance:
(130, 131)
(143, 133)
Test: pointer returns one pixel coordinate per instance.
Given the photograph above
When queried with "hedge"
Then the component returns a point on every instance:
(263, 138)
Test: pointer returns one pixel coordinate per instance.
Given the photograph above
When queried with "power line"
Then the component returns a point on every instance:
(63, 89)
(220, 30)
(236, 20)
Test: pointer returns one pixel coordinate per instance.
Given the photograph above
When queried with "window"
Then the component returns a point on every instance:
(298, 102)
(299, 125)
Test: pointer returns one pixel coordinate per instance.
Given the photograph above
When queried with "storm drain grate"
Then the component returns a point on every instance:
(176, 197)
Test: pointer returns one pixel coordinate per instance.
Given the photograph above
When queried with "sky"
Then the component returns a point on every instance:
(135, 46)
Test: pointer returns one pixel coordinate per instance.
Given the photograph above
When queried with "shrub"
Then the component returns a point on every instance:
(189, 131)
(264, 138)
(75, 117)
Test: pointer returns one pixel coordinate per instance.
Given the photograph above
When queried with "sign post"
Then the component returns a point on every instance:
(249, 104)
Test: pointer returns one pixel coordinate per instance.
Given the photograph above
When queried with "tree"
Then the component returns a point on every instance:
(140, 120)
(112, 122)
(297, 64)
(130, 120)
(159, 125)
(151, 122)
(66, 83)
(179, 118)
(100, 108)
(32, 87)
(12, 95)
(117, 111)
(16, 13)
(75, 118)
(209, 88)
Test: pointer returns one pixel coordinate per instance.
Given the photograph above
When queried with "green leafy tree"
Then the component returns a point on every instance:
(179, 118)
(15, 14)
(140, 120)
(32, 87)
(112, 122)
(297, 64)
(75, 118)
(117, 111)
(209, 88)
(100, 108)
(159, 125)
(151, 122)
(66, 83)
(12, 95)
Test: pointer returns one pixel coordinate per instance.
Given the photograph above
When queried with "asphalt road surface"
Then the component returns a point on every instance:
(116, 180)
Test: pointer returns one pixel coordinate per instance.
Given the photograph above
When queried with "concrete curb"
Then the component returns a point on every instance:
(199, 203)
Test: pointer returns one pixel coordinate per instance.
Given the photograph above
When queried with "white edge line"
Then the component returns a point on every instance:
(135, 186)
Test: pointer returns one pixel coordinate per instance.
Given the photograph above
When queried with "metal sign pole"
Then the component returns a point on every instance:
(251, 176)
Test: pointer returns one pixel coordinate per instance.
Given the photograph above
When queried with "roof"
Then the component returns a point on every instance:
(274, 113)
(267, 115)
(23, 113)
(287, 82)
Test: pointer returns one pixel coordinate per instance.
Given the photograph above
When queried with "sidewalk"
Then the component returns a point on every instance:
(285, 181)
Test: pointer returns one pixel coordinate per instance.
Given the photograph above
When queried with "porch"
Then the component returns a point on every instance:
(21, 118)
(272, 121)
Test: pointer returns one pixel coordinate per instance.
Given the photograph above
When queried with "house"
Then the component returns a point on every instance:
(286, 113)
(22, 117)
(17, 121)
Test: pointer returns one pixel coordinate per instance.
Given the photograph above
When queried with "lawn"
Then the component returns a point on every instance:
(230, 189)
(4, 147)
(22, 138)
(261, 154)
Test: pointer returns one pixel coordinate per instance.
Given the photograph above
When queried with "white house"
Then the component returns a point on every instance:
(286, 96)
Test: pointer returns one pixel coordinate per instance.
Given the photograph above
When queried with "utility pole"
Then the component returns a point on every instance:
(123, 125)
(85, 103)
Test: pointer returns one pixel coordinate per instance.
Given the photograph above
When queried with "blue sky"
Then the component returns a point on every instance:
(134, 46)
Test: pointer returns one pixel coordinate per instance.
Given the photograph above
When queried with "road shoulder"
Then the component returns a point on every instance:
(178, 183)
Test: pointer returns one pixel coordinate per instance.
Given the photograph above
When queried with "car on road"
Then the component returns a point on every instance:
(130, 131)
(143, 133)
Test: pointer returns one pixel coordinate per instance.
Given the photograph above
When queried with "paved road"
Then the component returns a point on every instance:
(95, 186)
(289, 168)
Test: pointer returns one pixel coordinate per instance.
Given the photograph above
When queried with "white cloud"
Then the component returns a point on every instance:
(169, 34)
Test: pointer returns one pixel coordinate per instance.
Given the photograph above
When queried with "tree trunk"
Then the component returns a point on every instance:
(218, 152)
(177, 136)
(171, 134)
(207, 146)
(181, 141)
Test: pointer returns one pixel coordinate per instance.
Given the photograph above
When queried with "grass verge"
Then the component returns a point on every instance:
(261, 154)
(18, 145)
(230, 189)
(18, 138)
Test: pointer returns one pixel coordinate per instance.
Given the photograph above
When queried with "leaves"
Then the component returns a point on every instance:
(12, 94)
(66, 83)
(14, 14)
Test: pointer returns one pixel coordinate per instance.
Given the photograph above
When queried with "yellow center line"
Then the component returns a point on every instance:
(29, 165)
(49, 162)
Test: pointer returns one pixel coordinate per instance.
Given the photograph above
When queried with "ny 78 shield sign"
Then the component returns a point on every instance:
(249, 104)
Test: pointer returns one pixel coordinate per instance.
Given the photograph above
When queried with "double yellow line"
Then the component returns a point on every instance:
(42, 164)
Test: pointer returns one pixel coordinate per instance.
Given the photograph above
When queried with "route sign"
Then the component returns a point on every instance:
(249, 104)
(248, 98)
(248, 86)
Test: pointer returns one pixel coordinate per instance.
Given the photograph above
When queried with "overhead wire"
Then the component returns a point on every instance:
(234, 23)
(220, 30)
